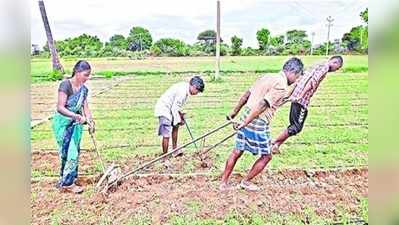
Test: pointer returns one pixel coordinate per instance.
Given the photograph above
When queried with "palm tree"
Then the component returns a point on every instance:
(54, 56)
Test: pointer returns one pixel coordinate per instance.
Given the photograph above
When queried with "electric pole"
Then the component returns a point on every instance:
(329, 25)
(217, 40)
(311, 47)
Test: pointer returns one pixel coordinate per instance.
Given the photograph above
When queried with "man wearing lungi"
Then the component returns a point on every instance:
(253, 133)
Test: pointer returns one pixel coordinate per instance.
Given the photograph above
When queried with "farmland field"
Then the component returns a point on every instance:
(320, 177)
(41, 67)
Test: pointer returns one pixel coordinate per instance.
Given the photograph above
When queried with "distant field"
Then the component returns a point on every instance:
(336, 132)
(40, 68)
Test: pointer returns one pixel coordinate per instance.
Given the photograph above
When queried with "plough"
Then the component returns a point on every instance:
(113, 175)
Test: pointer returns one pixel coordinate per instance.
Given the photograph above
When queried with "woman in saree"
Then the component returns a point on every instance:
(72, 112)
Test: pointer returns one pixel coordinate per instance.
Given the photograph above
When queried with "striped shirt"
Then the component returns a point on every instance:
(313, 76)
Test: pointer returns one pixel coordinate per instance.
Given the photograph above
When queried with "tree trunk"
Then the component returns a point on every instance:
(54, 55)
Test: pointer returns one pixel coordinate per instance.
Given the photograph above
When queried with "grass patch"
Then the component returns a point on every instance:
(139, 220)
(320, 144)
(355, 69)
(307, 217)
(332, 135)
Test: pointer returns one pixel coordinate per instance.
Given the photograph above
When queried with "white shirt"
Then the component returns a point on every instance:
(172, 101)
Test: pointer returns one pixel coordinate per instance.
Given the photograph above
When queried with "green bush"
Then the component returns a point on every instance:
(236, 44)
(224, 50)
(110, 74)
(138, 55)
(198, 53)
(107, 74)
(171, 47)
(155, 50)
(55, 75)
(82, 46)
(139, 39)
(249, 52)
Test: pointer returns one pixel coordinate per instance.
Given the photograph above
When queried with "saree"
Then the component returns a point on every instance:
(68, 134)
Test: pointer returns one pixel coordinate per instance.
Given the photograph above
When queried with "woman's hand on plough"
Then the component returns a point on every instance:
(79, 119)
(92, 127)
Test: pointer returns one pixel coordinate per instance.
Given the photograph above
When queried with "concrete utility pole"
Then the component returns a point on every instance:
(50, 41)
(217, 40)
(329, 25)
(311, 47)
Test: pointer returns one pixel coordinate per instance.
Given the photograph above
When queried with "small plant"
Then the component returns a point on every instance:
(142, 219)
(364, 209)
(216, 80)
(107, 74)
(55, 75)
(194, 206)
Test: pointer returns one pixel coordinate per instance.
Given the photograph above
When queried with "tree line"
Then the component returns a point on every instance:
(139, 43)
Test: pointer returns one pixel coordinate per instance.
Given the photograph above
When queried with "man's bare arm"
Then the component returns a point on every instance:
(243, 100)
(255, 112)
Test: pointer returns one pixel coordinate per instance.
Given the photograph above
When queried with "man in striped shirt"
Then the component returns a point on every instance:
(301, 96)
(259, 104)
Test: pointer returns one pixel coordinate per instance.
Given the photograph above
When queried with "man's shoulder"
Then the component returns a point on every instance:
(177, 86)
(269, 78)
(273, 80)
(180, 84)
(281, 81)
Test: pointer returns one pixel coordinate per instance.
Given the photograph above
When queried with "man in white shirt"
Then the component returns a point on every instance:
(169, 109)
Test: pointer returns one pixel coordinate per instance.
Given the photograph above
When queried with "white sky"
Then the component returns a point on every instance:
(184, 19)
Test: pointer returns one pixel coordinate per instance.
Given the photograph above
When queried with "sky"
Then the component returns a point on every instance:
(185, 19)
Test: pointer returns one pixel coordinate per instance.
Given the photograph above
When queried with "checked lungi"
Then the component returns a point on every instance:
(255, 137)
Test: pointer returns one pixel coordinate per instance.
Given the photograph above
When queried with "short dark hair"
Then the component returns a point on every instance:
(81, 65)
(294, 65)
(339, 58)
(198, 83)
